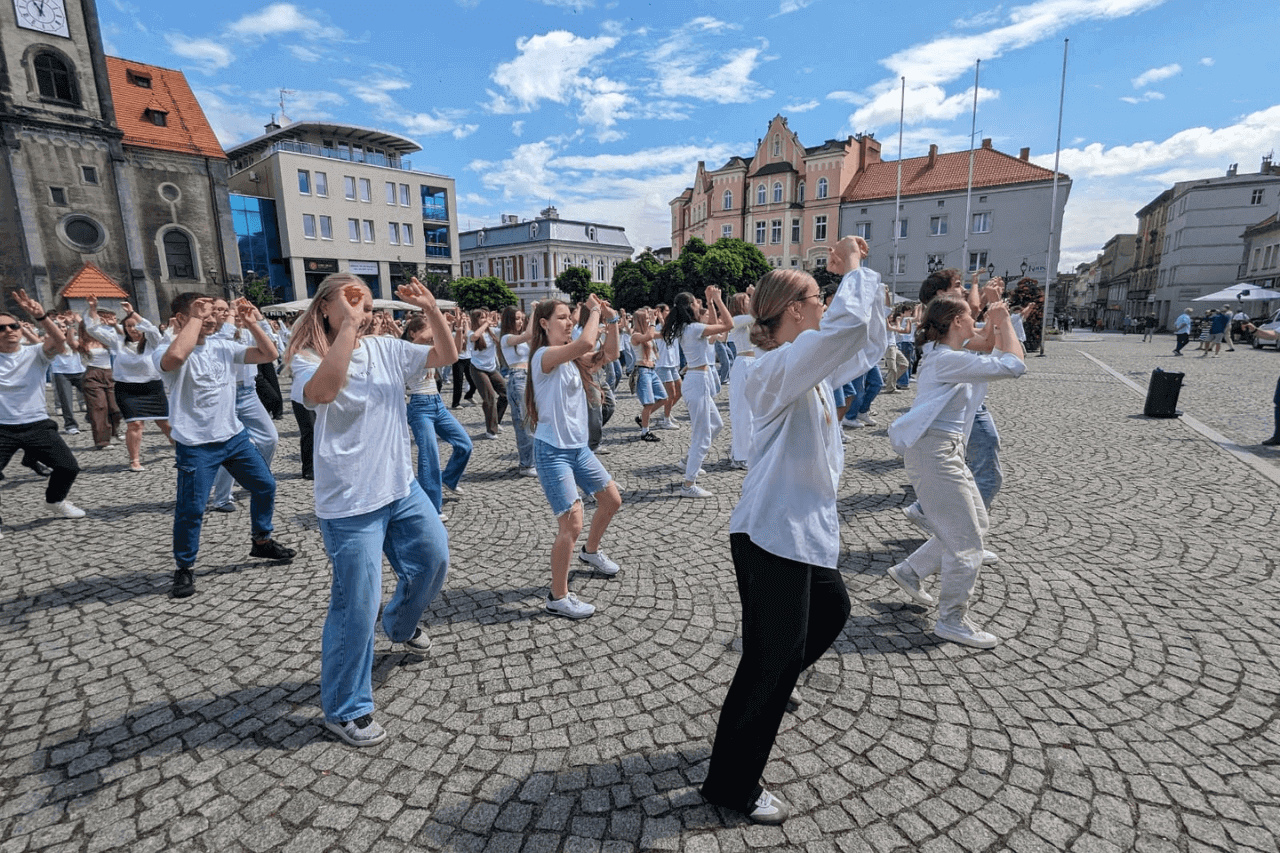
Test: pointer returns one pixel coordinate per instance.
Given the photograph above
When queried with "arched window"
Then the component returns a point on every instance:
(54, 79)
(728, 199)
(533, 270)
(800, 192)
(777, 191)
(822, 187)
(760, 194)
(600, 270)
(177, 255)
(777, 145)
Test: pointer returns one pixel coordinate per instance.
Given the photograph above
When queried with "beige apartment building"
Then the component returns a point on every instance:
(348, 199)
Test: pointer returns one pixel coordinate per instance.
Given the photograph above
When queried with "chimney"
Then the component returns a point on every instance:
(933, 156)
(1231, 170)
(986, 143)
(271, 125)
(1024, 154)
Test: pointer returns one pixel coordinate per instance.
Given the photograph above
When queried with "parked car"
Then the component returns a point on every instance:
(1271, 325)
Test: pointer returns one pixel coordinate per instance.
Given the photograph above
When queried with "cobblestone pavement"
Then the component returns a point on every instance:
(1132, 704)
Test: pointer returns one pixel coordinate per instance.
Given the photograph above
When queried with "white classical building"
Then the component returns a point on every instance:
(528, 254)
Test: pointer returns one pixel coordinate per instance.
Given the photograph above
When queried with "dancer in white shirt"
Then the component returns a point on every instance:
(694, 338)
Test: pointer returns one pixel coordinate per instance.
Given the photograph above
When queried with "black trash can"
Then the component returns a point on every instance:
(1162, 394)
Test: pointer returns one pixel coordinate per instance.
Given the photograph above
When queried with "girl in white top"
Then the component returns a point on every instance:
(514, 336)
(98, 386)
(139, 390)
(367, 499)
(931, 438)
(699, 386)
(668, 369)
(785, 532)
(556, 403)
(745, 356)
(484, 372)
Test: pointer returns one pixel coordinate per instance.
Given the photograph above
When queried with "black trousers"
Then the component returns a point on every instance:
(40, 442)
(267, 384)
(462, 367)
(791, 613)
(306, 437)
(1183, 337)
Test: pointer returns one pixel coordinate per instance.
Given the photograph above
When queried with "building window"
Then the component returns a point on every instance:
(322, 185)
(726, 230)
(1266, 262)
(777, 146)
(795, 231)
(84, 233)
(366, 189)
(304, 182)
(54, 79)
(309, 226)
(368, 230)
(89, 174)
(863, 230)
(775, 231)
(353, 230)
(391, 193)
(935, 261)
(760, 194)
(58, 195)
(819, 225)
(899, 265)
(937, 226)
(822, 187)
(800, 193)
(349, 187)
(137, 78)
(600, 270)
(981, 223)
(942, 202)
(1256, 198)
(820, 262)
(534, 270)
(902, 228)
(404, 195)
(177, 255)
(982, 199)
(159, 118)
(326, 228)
(777, 192)
(728, 199)
(760, 233)
(393, 233)
(977, 261)
(407, 233)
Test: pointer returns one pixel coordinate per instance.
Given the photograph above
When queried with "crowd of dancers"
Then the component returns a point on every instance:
(800, 363)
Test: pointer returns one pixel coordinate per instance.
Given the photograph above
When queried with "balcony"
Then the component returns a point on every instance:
(368, 158)
(434, 251)
(438, 213)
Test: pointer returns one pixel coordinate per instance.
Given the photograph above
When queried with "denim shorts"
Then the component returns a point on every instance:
(560, 469)
(669, 374)
(648, 386)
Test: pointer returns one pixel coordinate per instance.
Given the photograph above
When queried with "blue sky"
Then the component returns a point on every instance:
(604, 108)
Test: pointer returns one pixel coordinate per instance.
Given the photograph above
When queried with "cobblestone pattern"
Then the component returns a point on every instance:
(1131, 706)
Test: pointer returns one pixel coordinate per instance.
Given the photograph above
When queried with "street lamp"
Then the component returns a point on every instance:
(991, 271)
(1024, 267)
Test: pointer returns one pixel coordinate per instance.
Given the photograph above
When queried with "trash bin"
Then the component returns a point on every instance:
(1162, 394)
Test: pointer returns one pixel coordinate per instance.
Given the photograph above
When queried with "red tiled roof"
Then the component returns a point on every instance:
(949, 172)
(187, 130)
(91, 281)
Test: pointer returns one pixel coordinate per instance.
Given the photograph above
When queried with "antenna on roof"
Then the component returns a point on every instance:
(284, 119)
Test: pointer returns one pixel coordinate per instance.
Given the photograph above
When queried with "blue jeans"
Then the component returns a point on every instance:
(197, 464)
(865, 389)
(983, 455)
(908, 349)
(613, 373)
(429, 419)
(262, 432)
(723, 362)
(515, 393)
(409, 532)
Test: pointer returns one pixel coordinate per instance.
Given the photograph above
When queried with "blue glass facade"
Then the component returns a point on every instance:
(258, 238)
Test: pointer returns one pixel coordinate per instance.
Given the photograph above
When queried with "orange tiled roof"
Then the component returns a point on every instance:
(949, 172)
(187, 131)
(91, 281)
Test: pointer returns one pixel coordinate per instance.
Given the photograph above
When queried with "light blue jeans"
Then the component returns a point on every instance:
(262, 432)
(429, 419)
(409, 532)
(983, 456)
(515, 393)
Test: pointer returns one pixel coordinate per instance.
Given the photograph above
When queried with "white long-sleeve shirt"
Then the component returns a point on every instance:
(129, 365)
(788, 504)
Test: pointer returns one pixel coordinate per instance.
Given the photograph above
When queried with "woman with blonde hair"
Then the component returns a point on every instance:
(648, 387)
(366, 496)
(785, 532)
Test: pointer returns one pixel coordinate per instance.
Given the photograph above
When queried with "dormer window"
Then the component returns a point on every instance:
(138, 78)
(160, 118)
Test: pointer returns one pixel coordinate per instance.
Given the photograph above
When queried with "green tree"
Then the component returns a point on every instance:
(632, 286)
(575, 281)
(259, 292)
(746, 268)
(669, 281)
(488, 292)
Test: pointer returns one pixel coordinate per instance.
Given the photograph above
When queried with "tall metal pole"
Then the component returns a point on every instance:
(1049, 268)
(897, 198)
(968, 195)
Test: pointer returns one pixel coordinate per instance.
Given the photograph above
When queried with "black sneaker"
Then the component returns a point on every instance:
(272, 550)
(184, 583)
(648, 436)
(1271, 442)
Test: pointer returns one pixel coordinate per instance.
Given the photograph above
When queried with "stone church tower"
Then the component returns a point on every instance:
(104, 161)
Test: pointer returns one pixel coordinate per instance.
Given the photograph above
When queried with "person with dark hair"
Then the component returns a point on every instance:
(931, 438)
(744, 356)
(1182, 330)
(24, 418)
(694, 338)
(668, 369)
(484, 372)
(429, 420)
(462, 368)
(198, 371)
(98, 385)
(648, 387)
(784, 534)
(514, 335)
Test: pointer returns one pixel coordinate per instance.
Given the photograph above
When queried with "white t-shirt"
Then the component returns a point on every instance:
(517, 354)
(202, 392)
(698, 350)
(67, 362)
(423, 383)
(562, 403)
(740, 334)
(1019, 330)
(485, 359)
(129, 365)
(22, 386)
(362, 456)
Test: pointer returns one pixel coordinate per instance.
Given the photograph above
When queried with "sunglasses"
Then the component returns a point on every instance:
(10, 327)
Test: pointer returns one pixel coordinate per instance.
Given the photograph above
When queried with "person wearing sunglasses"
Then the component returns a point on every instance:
(24, 418)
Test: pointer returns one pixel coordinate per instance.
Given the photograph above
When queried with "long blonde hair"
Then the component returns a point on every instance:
(311, 330)
(774, 292)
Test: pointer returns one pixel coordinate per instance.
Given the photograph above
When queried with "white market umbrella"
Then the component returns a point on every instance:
(378, 304)
(1240, 293)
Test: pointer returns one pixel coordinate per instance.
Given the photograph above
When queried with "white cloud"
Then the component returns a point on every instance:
(680, 76)
(378, 92)
(1155, 75)
(548, 67)
(1207, 61)
(981, 19)
(207, 54)
(303, 52)
(280, 19)
(848, 97)
(789, 6)
(523, 175)
(1149, 95)
(231, 123)
(575, 5)
(517, 127)
(801, 108)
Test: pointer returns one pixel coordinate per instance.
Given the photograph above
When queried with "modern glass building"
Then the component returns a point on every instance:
(258, 238)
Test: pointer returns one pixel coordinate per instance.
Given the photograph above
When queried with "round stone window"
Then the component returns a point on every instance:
(83, 233)
(170, 192)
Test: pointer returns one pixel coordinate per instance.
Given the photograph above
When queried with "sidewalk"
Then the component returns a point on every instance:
(1132, 704)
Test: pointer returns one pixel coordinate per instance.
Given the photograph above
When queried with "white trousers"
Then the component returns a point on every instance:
(705, 422)
(951, 501)
(739, 410)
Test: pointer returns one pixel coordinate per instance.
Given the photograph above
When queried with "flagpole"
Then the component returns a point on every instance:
(1050, 269)
(968, 195)
(897, 199)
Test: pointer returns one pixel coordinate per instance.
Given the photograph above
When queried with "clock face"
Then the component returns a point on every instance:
(46, 16)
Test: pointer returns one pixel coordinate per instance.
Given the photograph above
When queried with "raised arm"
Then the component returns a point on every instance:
(445, 350)
(264, 349)
(724, 320)
(553, 357)
(329, 378)
(188, 335)
(54, 340)
(102, 332)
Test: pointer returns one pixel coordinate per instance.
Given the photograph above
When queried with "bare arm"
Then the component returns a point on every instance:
(724, 321)
(265, 349)
(553, 357)
(53, 338)
(325, 384)
(188, 336)
(445, 351)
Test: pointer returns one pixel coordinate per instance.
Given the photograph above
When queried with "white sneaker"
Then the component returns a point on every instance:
(915, 515)
(768, 810)
(866, 419)
(966, 634)
(599, 562)
(694, 491)
(490, 436)
(498, 428)
(684, 460)
(529, 472)
(444, 516)
(569, 607)
(989, 558)
(850, 424)
(362, 731)
(457, 490)
(668, 425)
(67, 509)
(909, 584)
